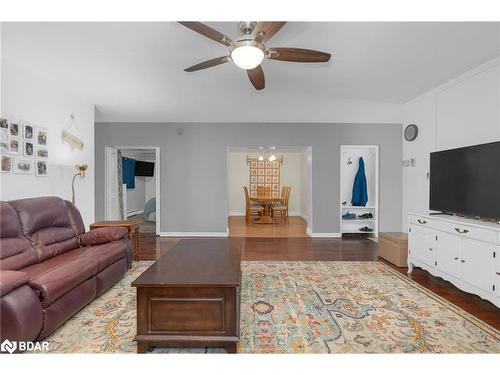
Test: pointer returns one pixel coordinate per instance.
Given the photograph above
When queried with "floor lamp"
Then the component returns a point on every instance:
(81, 168)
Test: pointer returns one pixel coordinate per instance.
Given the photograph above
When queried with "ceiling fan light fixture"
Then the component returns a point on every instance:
(247, 54)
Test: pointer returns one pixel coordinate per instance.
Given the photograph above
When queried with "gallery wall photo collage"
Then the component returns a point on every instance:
(23, 148)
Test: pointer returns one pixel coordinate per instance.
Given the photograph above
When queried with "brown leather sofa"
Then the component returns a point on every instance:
(50, 268)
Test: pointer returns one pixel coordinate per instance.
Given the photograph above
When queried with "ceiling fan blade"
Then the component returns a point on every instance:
(264, 31)
(208, 32)
(208, 64)
(298, 55)
(256, 76)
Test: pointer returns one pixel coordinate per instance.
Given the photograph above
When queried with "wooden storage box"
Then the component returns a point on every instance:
(393, 247)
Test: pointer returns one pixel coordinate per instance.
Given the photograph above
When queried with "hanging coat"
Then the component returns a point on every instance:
(359, 189)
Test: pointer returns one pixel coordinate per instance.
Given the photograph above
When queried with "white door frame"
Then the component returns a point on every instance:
(157, 179)
(308, 151)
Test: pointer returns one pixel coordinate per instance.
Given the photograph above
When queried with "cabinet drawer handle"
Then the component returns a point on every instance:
(462, 231)
(463, 261)
(456, 258)
(421, 221)
(430, 248)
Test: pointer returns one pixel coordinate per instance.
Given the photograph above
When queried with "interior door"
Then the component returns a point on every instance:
(478, 264)
(422, 244)
(112, 209)
(448, 254)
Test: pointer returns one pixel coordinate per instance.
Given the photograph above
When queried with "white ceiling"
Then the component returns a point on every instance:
(134, 71)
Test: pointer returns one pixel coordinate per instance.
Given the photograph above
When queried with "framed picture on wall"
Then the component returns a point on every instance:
(253, 194)
(14, 145)
(41, 136)
(268, 179)
(253, 179)
(42, 152)
(41, 168)
(253, 164)
(269, 172)
(4, 124)
(261, 179)
(261, 164)
(254, 172)
(261, 172)
(14, 129)
(276, 180)
(6, 164)
(276, 164)
(22, 166)
(4, 140)
(276, 172)
(28, 131)
(28, 149)
(269, 164)
(276, 187)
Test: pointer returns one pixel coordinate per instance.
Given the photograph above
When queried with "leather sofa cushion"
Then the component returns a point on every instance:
(15, 250)
(42, 212)
(56, 282)
(10, 280)
(107, 254)
(75, 218)
(102, 235)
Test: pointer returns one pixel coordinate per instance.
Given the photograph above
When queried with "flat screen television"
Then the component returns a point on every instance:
(144, 168)
(466, 181)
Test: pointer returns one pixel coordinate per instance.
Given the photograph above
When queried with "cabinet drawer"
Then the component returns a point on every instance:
(422, 221)
(466, 231)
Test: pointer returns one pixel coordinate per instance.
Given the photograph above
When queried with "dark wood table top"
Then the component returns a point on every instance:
(194, 263)
(116, 223)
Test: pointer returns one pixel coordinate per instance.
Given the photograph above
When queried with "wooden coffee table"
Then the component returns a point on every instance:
(191, 296)
(131, 225)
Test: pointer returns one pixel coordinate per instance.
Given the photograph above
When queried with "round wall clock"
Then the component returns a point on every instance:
(411, 132)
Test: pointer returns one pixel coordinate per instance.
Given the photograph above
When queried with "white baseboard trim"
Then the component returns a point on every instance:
(194, 234)
(324, 235)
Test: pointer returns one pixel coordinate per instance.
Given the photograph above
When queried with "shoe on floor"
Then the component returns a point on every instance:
(365, 229)
(366, 216)
(349, 216)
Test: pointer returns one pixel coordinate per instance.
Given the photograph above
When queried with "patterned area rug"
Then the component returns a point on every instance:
(303, 307)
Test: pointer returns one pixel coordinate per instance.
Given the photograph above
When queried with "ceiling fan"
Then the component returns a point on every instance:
(248, 51)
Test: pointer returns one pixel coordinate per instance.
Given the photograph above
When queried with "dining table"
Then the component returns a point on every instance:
(266, 201)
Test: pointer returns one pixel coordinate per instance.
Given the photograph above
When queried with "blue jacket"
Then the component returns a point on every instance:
(359, 189)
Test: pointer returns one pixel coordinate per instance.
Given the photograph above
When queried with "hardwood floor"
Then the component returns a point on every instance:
(238, 227)
(301, 249)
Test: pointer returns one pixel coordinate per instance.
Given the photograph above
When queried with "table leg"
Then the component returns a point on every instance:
(136, 253)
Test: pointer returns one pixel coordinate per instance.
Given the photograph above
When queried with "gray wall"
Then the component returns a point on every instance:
(194, 167)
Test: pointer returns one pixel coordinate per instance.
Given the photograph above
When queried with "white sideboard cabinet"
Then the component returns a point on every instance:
(465, 252)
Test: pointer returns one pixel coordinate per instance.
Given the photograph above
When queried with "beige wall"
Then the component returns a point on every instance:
(293, 173)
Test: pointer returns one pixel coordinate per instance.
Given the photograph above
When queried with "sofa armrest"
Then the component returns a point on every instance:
(104, 235)
(10, 280)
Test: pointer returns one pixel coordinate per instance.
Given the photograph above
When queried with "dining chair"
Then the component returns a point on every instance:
(263, 190)
(251, 209)
(282, 207)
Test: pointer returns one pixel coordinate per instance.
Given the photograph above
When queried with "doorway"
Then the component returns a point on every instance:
(132, 191)
(271, 168)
